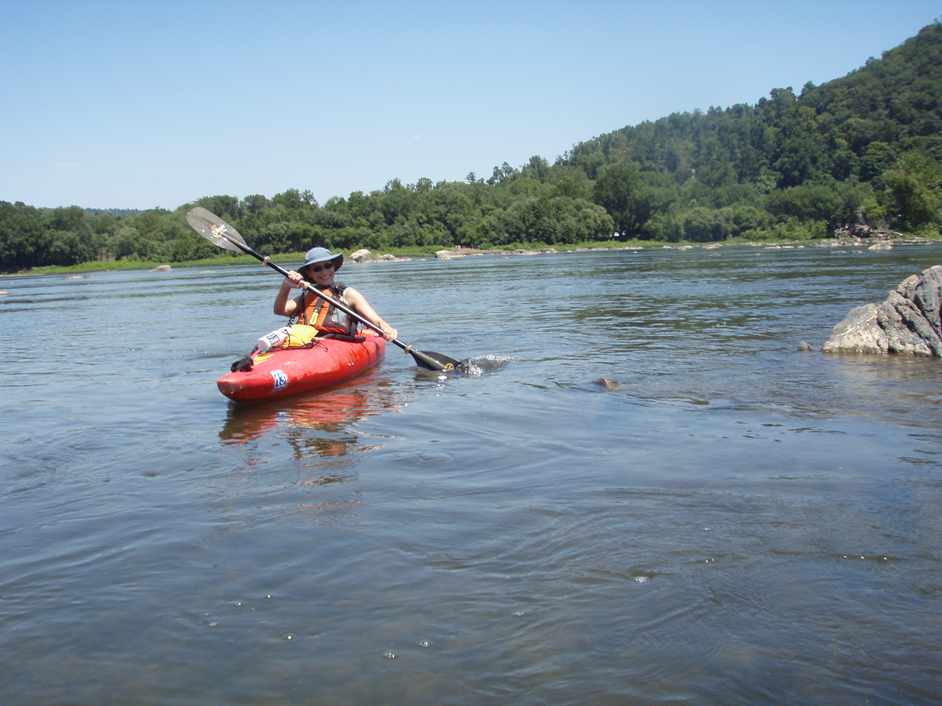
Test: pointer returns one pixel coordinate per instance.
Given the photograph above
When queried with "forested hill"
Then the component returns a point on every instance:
(865, 148)
(848, 128)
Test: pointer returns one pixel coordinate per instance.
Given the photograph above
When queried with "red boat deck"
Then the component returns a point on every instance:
(291, 371)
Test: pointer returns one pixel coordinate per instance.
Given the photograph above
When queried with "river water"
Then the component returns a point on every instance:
(735, 522)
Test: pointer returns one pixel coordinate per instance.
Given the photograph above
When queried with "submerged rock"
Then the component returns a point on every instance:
(907, 321)
(608, 384)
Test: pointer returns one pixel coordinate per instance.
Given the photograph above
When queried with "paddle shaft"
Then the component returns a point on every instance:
(340, 305)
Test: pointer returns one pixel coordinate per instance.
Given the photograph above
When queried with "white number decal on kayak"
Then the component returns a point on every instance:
(280, 378)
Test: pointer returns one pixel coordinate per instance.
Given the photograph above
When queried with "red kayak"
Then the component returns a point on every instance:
(291, 371)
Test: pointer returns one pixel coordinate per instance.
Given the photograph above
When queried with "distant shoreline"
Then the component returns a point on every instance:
(519, 249)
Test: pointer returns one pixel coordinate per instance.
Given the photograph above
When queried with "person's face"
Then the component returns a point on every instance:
(320, 273)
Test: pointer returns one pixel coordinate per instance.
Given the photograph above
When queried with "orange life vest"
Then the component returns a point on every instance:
(324, 316)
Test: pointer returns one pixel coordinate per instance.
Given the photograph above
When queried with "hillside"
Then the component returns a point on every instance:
(863, 147)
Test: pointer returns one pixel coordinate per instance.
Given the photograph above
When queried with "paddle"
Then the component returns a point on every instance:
(223, 235)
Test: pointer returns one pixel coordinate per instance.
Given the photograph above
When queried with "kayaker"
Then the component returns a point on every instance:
(319, 268)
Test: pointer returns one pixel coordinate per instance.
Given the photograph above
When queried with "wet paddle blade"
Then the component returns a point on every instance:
(214, 229)
(430, 360)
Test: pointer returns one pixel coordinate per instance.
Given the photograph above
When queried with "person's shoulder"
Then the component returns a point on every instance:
(351, 293)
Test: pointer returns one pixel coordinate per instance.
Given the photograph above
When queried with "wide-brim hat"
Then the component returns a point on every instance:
(319, 254)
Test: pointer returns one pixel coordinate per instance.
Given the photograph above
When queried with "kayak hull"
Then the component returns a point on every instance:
(292, 371)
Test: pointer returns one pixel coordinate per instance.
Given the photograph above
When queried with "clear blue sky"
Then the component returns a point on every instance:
(141, 104)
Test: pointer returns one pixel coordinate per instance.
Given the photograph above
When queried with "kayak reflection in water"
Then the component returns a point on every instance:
(319, 268)
(314, 425)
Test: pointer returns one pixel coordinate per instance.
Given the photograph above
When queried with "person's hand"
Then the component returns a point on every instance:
(389, 333)
(295, 279)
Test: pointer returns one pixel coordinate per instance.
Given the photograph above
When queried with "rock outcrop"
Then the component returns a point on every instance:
(907, 321)
(457, 252)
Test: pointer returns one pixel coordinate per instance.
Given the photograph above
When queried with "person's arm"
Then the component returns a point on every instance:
(283, 305)
(358, 302)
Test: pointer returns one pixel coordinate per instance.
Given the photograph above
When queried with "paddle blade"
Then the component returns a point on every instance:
(430, 360)
(214, 229)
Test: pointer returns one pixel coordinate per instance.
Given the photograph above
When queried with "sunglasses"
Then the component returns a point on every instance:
(319, 268)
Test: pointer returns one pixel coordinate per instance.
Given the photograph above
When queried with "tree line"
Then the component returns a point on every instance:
(865, 148)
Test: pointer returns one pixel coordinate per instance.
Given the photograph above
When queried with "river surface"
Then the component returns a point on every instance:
(735, 523)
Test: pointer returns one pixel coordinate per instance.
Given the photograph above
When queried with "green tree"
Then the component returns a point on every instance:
(914, 190)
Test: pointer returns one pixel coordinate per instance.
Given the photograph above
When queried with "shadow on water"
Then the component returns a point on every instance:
(901, 389)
